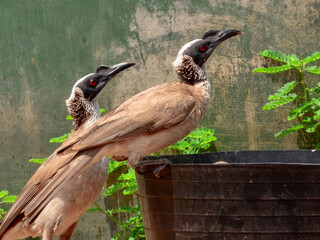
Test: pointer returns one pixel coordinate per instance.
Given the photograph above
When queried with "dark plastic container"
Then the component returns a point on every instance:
(272, 195)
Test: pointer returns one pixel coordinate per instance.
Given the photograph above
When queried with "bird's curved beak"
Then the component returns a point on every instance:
(222, 36)
(117, 68)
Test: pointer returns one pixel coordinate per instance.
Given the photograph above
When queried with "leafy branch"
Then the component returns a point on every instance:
(5, 198)
(307, 104)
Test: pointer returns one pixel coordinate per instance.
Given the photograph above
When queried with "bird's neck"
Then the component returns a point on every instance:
(189, 72)
(82, 110)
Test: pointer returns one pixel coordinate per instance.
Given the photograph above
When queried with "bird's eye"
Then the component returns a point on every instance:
(202, 48)
(93, 82)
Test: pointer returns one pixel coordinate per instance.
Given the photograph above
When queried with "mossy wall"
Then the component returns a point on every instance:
(45, 46)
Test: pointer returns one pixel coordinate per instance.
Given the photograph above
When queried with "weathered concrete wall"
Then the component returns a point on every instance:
(46, 46)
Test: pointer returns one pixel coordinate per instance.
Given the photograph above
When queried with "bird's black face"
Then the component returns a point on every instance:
(200, 50)
(91, 85)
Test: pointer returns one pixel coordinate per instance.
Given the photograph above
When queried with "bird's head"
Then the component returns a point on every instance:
(193, 55)
(82, 104)
(92, 84)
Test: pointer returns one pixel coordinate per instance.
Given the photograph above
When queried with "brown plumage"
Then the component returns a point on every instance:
(146, 123)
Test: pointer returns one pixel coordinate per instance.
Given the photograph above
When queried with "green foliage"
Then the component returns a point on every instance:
(60, 139)
(272, 70)
(126, 182)
(283, 96)
(133, 227)
(292, 129)
(313, 69)
(37, 160)
(277, 56)
(307, 103)
(5, 199)
(199, 140)
(114, 165)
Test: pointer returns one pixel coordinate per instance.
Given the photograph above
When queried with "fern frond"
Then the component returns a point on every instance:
(284, 99)
(313, 70)
(301, 110)
(287, 87)
(60, 139)
(314, 57)
(10, 199)
(37, 160)
(275, 55)
(3, 193)
(272, 70)
(285, 132)
(312, 128)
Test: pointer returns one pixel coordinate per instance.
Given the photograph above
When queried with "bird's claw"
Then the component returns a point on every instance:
(159, 167)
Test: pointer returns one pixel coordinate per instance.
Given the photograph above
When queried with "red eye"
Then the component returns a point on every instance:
(93, 82)
(202, 48)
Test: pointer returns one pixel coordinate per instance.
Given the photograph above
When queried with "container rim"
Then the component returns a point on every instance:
(251, 157)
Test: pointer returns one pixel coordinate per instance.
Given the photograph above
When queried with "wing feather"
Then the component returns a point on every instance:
(155, 109)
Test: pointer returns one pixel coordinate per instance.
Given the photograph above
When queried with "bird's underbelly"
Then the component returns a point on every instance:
(138, 147)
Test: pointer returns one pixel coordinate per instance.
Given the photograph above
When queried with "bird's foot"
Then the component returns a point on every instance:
(159, 167)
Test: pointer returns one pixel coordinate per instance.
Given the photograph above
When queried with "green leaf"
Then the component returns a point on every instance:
(272, 70)
(60, 139)
(275, 55)
(102, 110)
(37, 160)
(114, 165)
(127, 176)
(307, 120)
(114, 188)
(198, 140)
(294, 128)
(124, 210)
(281, 100)
(92, 208)
(10, 199)
(314, 57)
(317, 115)
(3, 193)
(295, 61)
(118, 235)
(312, 128)
(299, 111)
(287, 88)
(313, 70)
(317, 146)
(2, 213)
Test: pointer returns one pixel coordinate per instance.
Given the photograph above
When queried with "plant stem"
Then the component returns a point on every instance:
(303, 83)
(105, 213)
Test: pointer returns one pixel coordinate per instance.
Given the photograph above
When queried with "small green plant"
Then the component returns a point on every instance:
(197, 141)
(5, 198)
(307, 102)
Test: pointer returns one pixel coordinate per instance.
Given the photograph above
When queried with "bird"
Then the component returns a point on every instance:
(84, 188)
(145, 123)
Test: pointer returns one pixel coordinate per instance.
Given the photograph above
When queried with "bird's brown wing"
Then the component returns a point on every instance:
(157, 108)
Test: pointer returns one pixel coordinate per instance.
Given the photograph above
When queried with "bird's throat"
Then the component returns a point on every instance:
(188, 71)
(82, 110)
